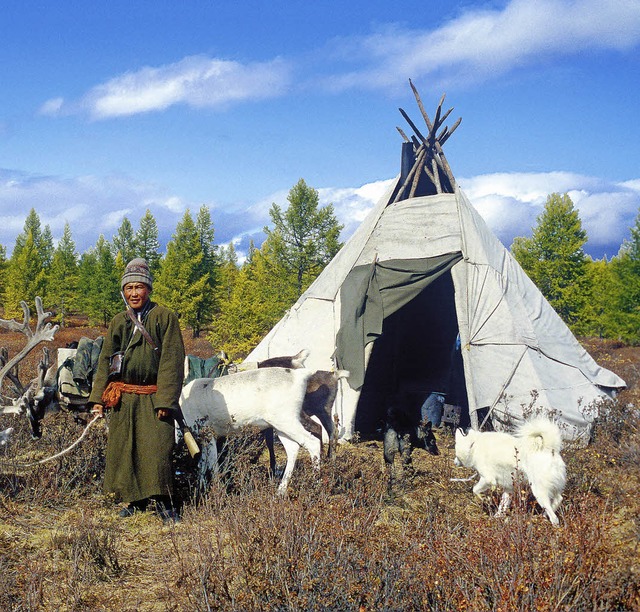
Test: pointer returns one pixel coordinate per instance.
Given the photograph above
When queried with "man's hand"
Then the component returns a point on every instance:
(164, 413)
(97, 410)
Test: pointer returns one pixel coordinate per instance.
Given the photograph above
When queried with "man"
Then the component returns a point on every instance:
(141, 393)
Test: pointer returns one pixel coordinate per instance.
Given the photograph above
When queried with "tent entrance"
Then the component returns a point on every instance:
(415, 355)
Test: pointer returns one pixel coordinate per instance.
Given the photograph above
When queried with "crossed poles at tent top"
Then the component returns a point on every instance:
(428, 155)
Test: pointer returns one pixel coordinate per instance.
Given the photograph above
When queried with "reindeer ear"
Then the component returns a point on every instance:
(50, 376)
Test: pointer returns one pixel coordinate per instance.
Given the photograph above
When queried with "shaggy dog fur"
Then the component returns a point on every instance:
(534, 451)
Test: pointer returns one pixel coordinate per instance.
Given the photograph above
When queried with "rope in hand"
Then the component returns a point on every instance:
(60, 454)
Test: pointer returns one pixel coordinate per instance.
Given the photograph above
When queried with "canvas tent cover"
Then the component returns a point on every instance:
(516, 351)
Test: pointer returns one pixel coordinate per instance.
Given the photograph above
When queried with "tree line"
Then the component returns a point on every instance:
(237, 304)
(234, 304)
(594, 297)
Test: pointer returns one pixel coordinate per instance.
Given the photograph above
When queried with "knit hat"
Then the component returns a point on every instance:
(137, 271)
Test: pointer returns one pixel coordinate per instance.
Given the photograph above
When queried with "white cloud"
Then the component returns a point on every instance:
(173, 204)
(195, 81)
(91, 205)
(477, 45)
(52, 107)
(633, 184)
(352, 205)
(484, 44)
(509, 203)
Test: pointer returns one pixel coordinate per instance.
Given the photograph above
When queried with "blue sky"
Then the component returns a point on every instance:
(108, 108)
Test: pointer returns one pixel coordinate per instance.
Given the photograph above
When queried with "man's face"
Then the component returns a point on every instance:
(136, 295)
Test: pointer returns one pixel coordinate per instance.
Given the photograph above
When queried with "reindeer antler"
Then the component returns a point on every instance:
(44, 332)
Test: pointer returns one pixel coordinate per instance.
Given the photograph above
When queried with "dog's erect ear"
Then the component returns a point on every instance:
(461, 431)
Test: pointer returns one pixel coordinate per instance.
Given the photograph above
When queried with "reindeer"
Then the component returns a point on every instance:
(265, 398)
(322, 388)
(34, 397)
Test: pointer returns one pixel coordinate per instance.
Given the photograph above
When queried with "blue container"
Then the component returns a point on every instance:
(433, 408)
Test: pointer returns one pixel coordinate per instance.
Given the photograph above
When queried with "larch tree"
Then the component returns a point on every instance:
(209, 266)
(45, 247)
(181, 284)
(599, 316)
(257, 301)
(626, 269)
(305, 237)
(228, 271)
(26, 276)
(42, 239)
(63, 278)
(554, 257)
(29, 264)
(124, 241)
(100, 281)
(3, 272)
(147, 244)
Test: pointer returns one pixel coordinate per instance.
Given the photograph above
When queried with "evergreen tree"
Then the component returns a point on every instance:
(45, 247)
(3, 273)
(599, 317)
(181, 284)
(208, 267)
(120, 264)
(228, 274)
(87, 270)
(42, 238)
(251, 253)
(626, 269)
(26, 276)
(146, 241)
(29, 270)
(228, 271)
(100, 282)
(554, 257)
(258, 300)
(631, 246)
(124, 241)
(31, 226)
(305, 237)
(63, 281)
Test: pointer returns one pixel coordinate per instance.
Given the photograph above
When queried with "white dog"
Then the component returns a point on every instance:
(534, 451)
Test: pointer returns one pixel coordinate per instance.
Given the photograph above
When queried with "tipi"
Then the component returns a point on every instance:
(423, 297)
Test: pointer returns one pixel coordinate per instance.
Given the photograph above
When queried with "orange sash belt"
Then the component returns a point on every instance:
(112, 394)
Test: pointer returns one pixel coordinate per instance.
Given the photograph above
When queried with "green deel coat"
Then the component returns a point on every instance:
(139, 447)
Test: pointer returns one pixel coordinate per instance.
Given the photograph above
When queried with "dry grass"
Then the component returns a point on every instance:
(339, 541)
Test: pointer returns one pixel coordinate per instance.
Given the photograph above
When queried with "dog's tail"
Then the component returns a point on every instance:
(542, 434)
